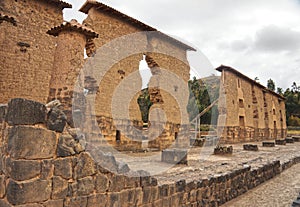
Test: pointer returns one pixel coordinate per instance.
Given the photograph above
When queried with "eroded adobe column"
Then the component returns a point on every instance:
(72, 39)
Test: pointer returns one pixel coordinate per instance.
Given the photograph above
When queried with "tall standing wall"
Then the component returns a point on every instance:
(26, 50)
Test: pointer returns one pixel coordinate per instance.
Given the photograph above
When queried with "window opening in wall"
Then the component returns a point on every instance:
(144, 99)
(176, 135)
(145, 72)
(239, 83)
(241, 103)
(242, 121)
(118, 135)
(274, 112)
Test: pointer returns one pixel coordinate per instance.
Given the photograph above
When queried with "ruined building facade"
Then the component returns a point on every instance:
(248, 111)
(41, 58)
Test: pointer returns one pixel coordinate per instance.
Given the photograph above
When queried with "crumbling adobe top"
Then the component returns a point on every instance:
(227, 68)
(73, 25)
(111, 11)
(60, 3)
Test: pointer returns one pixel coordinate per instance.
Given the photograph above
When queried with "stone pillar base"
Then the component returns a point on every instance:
(174, 156)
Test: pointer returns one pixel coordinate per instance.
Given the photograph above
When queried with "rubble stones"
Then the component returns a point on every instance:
(223, 150)
(250, 147)
(25, 142)
(25, 112)
(296, 138)
(197, 142)
(68, 146)
(289, 140)
(56, 120)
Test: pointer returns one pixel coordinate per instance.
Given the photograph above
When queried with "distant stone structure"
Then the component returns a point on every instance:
(41, 58)
(248, 111)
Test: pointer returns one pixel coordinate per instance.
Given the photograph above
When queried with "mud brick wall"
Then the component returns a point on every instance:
(111, 28)
(126, 71)
(26, 50)
(43, 168)
(248, 111)
(68, 61)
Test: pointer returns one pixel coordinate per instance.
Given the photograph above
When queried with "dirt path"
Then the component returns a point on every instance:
(278, 192)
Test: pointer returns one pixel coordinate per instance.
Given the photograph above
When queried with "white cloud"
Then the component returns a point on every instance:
(258, 38)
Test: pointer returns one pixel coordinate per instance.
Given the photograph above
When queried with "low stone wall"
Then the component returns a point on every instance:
(236, 134)
(44, 168)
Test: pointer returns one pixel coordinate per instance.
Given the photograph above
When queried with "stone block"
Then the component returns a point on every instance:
(28, 192)
(268, 144)
(117, 183)
(296, 138)
(85, 186)
(280, 142)
(3, 111)
(21, 170)
(123, 168)
(250, 147)
(56, 120)
(47, 170)
(63, 168)
(101, 183)
(59, 188)
(113, 199)
(174, 156)
(76, 202)
(54, 203)
(105, 162)
(26, 142)
(98, 200)
(67, 146)
(223, 150)
(25, 112)
(289, 140)
(85, 166)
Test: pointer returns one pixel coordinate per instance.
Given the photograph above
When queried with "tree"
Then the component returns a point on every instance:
(144, 104)
(279, 90)
(271, 85)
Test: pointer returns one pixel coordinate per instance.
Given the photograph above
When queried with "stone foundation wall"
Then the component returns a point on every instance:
(237, 134)
(44, 168)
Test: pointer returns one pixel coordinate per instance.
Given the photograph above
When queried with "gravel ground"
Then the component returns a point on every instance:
(280, 191)
(203, 164)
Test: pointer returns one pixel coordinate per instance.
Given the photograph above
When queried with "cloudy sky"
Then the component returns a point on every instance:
(260, 38)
